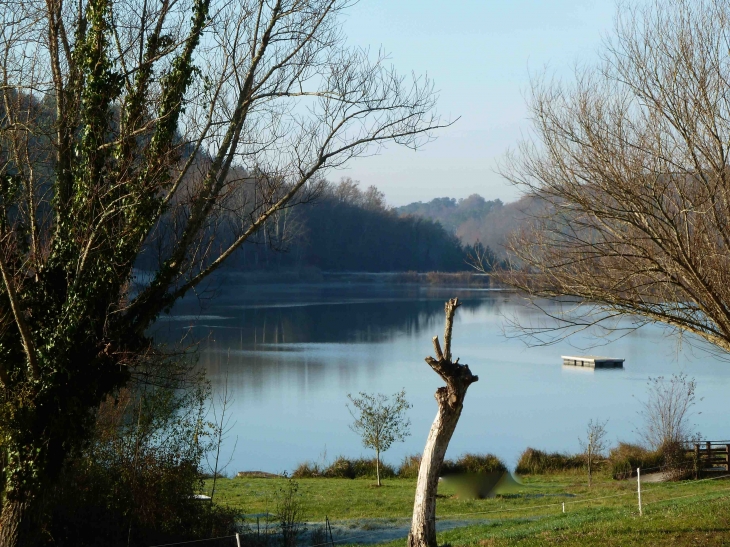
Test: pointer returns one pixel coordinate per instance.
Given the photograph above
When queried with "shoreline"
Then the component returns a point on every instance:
(314, 276)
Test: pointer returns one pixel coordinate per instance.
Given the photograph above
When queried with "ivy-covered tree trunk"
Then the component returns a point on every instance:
(124, 149)
(32, 462)
(40, 437)
(17, 523)
(21, 520)
(450, 399)
(69, 343)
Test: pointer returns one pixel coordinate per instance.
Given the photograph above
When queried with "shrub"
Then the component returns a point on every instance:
(536, 462)
(344, 468)
(478, 463)
(365, 468)
(467, 463)
(307, 470)
(668, 411)
(625, 458)
(107, 504)
(136, 479)
(341, 468)
(448, 467)
(678, 463)
(409, 467)
(289, 513)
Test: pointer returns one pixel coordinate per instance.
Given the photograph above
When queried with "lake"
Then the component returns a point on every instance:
(290, 354)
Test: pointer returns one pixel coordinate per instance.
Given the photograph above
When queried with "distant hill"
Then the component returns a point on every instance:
(475, 219)
(450, 212)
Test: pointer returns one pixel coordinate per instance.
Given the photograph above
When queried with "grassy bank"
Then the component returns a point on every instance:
(702, 520)
(680, 513)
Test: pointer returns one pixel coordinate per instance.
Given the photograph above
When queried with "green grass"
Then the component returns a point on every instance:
(704, 521)
(530, 516)
(334, 498)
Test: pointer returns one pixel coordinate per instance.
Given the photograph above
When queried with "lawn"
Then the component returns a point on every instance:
(685, 513)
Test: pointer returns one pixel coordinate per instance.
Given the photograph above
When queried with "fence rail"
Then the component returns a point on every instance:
(710, 456)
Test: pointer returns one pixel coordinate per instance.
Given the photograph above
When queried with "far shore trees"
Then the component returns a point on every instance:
(352, 229)
(380, 421)
(157, 135)
(631, 164)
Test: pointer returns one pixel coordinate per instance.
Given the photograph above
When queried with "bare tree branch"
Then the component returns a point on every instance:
(630, 166)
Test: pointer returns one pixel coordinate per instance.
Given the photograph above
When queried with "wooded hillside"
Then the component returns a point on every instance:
(349, 229)
(475, 219)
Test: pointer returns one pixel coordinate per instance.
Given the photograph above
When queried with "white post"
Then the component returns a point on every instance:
(563, 507)
(238, 540)
(638, 482)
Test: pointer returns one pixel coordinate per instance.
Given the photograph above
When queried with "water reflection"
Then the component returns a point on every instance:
(274, 335)
(292, 353)
(243, 321)
(569, 369)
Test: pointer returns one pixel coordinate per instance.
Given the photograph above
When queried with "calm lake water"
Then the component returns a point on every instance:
(291, 354)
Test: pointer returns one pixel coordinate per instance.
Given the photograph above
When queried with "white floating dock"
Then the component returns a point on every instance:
(592, 361)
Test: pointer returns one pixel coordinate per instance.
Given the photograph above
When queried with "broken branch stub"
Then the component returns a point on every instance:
(450, 399)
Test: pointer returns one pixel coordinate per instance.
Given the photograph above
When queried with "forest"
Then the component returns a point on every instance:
(345, 228)
(476, 220)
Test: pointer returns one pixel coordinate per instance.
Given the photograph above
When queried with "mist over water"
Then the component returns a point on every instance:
(292, 353)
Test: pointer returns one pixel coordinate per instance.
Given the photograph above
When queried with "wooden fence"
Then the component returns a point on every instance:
(710, 455)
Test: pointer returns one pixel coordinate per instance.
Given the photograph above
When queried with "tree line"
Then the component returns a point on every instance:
(346, 228)
(477, 221)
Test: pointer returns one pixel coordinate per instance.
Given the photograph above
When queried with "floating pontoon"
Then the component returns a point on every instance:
(592, 361)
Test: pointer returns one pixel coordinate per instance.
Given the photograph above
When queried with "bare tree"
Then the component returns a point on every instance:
(380, 421)
(159, 136)
(450, 399)
(667, 411)
(221, 427)
(289, 513)
(593, 444)
(630, 163)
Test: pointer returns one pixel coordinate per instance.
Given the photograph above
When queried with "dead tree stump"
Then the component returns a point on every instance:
(450, 399)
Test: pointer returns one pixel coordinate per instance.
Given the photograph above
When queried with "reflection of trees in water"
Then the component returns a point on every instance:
(253, 374)
(255, 347)
(362, 322)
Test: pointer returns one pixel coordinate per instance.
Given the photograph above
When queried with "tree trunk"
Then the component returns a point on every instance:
(377, 465)
(31, 465)
(450, 399)
(18, 528)
(590, 461)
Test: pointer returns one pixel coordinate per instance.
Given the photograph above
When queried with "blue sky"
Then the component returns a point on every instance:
(480, 55)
